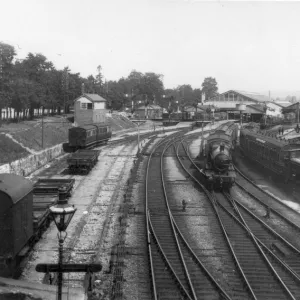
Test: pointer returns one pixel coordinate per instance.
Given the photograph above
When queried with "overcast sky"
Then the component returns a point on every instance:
(252, 46)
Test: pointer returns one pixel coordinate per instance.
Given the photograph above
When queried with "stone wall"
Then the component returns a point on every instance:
(31, 163)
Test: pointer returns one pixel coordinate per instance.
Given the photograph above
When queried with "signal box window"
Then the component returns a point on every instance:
(89, 105)
(83, 105)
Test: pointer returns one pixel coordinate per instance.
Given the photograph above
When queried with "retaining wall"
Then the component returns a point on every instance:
(31, 163)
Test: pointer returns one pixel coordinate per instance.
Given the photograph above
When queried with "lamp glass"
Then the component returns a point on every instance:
(62, 215)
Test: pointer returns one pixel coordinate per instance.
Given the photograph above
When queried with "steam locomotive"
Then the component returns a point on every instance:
(219, 171)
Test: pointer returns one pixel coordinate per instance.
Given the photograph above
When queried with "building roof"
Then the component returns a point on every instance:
(190, 108)
(254, 96)
(283, 104)
(251, 95)
(92, 97)
(15, 186)
(151, 106)
(255, 108)
(291, 108)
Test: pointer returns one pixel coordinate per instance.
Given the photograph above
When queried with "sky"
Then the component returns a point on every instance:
(251, 46)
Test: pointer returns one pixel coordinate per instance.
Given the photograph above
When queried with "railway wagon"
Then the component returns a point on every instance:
(82, 161)
(219, 171)
(88, 136)
(281, 156)
(23, 218)
(15, 217)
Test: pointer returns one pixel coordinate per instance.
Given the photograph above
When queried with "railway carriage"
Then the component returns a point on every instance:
(15, 218)
(88, 136)
(24, 215)
(278, 155)
(219, 171)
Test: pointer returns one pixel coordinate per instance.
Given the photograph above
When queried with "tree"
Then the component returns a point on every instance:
(38, 72)
(210, 87)
(150, 88)
(65, 87)
(90, 84)
(99, 81)
(7, 54)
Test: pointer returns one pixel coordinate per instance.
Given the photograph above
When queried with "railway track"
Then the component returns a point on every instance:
(280, 217)
(245, 184)
(276, 251)
(278, 274)
(176, 270)
(263, 279)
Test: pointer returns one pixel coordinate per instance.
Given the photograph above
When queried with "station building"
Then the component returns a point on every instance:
(88, 109)
(151, 111)
(253, 105)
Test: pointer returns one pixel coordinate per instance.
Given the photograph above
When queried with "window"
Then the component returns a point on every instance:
(295, 154)
(89, 105)
(83, 105)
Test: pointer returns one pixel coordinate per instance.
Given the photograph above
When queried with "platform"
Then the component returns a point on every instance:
(10, 289)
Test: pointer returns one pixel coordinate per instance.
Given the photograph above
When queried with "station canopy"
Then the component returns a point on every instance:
(292, 108)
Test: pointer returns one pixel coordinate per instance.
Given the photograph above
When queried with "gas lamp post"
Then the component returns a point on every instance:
(62, 214)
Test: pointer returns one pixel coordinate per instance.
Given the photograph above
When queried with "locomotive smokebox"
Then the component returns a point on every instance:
(222, 162)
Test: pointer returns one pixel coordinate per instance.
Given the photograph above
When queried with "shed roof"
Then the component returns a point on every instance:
(15, 186)
(92, 97)
(281, 143)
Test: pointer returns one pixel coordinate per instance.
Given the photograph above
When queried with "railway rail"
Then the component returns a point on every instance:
(282, 275)
(176, 270)
(277, 207)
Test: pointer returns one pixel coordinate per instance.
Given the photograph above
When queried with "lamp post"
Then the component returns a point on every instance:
(213, 118)
(62, 213)
(171, 99)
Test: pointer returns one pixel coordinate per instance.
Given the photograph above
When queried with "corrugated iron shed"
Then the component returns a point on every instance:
(15, 186)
